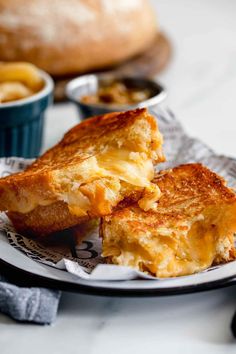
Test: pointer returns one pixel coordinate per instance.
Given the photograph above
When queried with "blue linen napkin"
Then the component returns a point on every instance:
(36, 305)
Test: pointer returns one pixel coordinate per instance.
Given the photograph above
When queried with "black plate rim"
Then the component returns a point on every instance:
(15, 273)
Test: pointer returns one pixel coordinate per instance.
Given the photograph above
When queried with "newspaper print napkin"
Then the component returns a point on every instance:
(83, 258)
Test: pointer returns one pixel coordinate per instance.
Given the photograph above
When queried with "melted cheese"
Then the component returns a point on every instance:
(121, 164)
(95, 187)
(166, 252)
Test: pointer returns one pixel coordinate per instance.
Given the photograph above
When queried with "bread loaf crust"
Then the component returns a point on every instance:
(74, 36)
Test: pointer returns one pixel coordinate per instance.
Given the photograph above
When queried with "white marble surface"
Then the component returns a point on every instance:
(201, 82)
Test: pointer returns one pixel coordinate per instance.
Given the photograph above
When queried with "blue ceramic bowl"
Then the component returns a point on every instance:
(22, 121)
(88, 84)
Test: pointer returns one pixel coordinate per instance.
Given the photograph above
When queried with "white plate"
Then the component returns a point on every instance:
(179, 148)
(44, 275)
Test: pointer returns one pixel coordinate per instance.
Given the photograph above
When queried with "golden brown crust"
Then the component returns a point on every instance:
(76, 171)
(85, 42)
(45, 220)
(186, 191)
(83, 141)
(195, 217)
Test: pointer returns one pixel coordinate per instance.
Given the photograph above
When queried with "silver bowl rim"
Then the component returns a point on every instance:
(82, 80)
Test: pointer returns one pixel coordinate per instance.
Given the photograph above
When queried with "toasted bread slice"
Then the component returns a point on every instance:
(96, 165)
(191, 229)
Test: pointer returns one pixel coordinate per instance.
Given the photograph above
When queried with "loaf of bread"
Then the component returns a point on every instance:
(74, 36)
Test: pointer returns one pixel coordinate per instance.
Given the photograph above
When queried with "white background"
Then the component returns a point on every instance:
(201, 81)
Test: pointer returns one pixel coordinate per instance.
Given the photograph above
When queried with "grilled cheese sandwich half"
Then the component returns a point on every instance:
(96, 165)
(192, 227)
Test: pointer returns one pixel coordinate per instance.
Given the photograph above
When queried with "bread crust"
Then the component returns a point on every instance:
(41, 199)
(44, 220)
(195, 202)
(76, 35)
